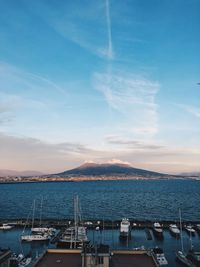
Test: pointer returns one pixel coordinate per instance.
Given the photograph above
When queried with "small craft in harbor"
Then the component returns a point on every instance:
(6, 226)
(125, 230)
(174, 229)
(160, 257)
(157, 228)
(190, 229)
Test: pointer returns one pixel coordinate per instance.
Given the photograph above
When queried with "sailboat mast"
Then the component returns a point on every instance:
(181, 230)
(75, 216)
(41, 204)
(33, 213)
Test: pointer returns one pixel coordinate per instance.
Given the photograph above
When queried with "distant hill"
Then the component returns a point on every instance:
(4, 173)
(191, 174)
(94, 169)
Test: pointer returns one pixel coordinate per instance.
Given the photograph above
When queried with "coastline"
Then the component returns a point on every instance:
(15, 180)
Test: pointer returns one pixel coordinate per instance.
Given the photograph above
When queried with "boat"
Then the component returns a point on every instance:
(174, 229)
(42, 230)
(20, 260)
(182, 257)
(74, 236)
(6, 226)
(190, 229)
(157, 229)
(125, 231)
(159, 256)
(34, 237)
(180, 254)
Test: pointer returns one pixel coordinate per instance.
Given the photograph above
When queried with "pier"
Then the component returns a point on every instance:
(92, 224)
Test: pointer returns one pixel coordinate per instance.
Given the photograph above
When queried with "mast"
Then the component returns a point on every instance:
(181, 231)
(33, 213)
(41, 204)
(75, 216)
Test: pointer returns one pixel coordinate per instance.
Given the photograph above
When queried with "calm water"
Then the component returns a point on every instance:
(151, 200)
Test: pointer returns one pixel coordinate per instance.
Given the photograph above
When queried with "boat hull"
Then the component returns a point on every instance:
(30, 238)
(183, 259)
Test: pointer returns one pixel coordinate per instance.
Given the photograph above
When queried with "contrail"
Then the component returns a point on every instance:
(110, 46)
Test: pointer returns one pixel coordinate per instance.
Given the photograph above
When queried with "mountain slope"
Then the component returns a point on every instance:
(93, 169)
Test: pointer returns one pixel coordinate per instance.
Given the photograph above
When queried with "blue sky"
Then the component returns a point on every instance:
(103, 81)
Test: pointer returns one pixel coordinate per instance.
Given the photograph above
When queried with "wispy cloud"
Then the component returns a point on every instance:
(15, 79)
(133, 96)
(192, 110)
(133, 144)
(87, 26)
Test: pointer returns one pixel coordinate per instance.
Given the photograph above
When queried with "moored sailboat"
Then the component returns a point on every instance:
(76, 235)
(180, 254)
(34, 237)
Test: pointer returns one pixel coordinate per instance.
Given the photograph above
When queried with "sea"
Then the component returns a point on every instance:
(109, 200)
(138, 200)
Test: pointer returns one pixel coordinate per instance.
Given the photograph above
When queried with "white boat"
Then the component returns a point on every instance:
(6, 226)
(157, 228)
(190, 229)
(37, 237)
(20, 260)
(174, 229)
(125, 229)
(25, 262)
(43, 230)
(160, 257)
(34, 237)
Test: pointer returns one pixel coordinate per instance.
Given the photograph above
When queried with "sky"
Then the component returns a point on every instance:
(100, 81)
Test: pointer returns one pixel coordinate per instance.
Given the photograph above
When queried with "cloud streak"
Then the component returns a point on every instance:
(12, 78)
(192, 110)
(77, 25)
(132, 144)
(132, 96)
(110, 45)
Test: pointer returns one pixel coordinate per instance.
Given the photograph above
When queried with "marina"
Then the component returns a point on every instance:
(169, 243)
(83, 224)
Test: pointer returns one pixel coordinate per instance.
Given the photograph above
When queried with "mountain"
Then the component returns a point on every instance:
(13, 173)
(109, 169)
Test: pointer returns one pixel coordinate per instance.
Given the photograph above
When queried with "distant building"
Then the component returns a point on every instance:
(5, 255)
